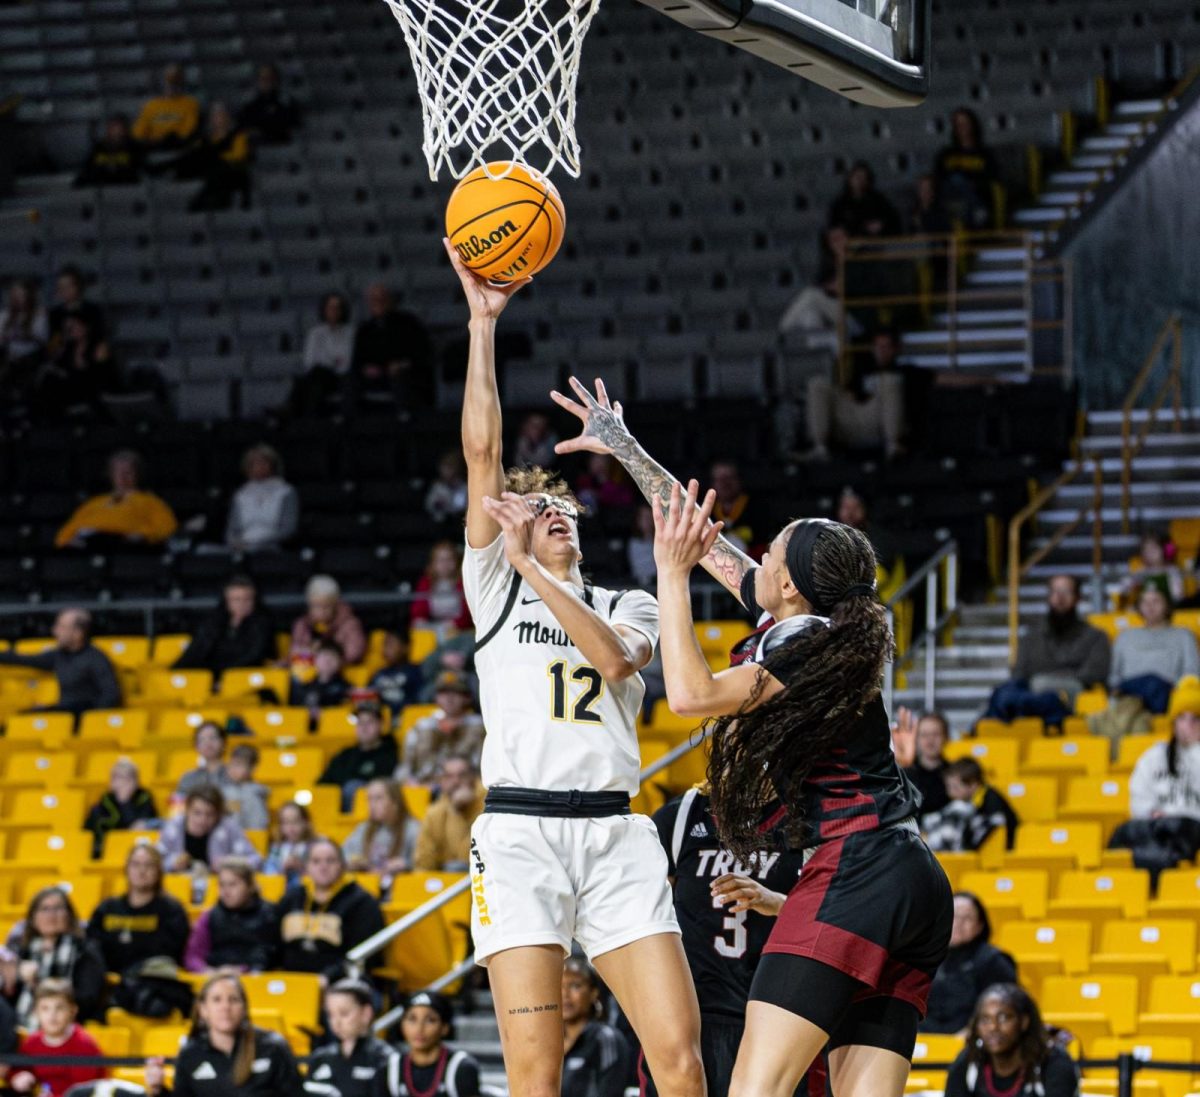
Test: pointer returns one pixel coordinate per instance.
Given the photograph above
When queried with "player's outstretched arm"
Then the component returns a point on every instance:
(604, 431)
(741, 893)
(481, 421)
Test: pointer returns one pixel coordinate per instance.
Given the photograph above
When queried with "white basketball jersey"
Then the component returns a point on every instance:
(552, 721)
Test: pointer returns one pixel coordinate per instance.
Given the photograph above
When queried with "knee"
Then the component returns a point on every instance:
(679, 1070)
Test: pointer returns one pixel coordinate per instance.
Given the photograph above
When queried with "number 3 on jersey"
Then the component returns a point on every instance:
(734, 923)
(581, 703)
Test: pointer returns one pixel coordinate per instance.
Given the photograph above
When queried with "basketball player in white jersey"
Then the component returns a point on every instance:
(557, 854)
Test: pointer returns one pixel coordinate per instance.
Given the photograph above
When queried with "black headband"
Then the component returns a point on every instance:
(799, 564)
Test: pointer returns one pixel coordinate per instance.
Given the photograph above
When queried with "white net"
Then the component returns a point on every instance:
(497, 79)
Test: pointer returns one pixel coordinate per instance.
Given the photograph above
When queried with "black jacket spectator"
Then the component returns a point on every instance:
(274, 1073)
(270, 116)
(965, 171)
(330, 1070)
(86, 679)
(861, 209)
(392, 353)
(81, 373)
(316, 936)
(357, 764)
(111, 813)
(246, 937)
(68, 288)
(114, 160)
(129, 934)
(238, 633)
(930, 785)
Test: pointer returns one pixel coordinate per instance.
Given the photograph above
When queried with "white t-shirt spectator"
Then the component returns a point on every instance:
(263, 514)
(329, 347)
(1153, 790)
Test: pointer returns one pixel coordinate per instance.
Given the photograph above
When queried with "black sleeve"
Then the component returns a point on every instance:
(285, 1075)
(144, 806)
(88, 980)
(748, 599)
(614, 1068)
(175, 929)
(184, 1065)
(1060, 1076)
(466, 1077)
(43, 660)
(664, 820)
(108, 689)
(364, 919)
(956, 1078)
(198, 653)
(8, 1028)
(260, 644)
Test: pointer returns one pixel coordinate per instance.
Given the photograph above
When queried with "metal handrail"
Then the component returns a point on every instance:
(1171, 331)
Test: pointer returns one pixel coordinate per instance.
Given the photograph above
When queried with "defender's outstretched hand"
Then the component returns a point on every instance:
(685, 534)
(513, 514)
(741, 893)
(603, 421)
(485, 299)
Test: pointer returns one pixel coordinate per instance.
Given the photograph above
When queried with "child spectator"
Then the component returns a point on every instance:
(57, 1036)
(168, 121)
(447, 495)
(373, 755)
(427, 1024)
(123, 807)
(265, 511)
(1148, 661)
(397, 682)
(123, 518)
(353, 1065)
(114, 160)
(238, 632)
(445, 840)
(452, 729)
(928, 768)
(974, 811)
(240, 931)
(245, 798)
(438, 600)
(328, 349)
(1154, 568)
(328, 616)
(209, 739)
(291, 837)
(221, 159)
(385, 841)
(143, 922)
(270, 116)
(204, 836)
(328, 688)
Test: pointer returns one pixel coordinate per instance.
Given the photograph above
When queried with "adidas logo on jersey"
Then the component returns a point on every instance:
(204, 1072)
(699, 831)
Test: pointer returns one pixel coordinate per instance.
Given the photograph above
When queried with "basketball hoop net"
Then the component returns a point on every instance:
(496, 74)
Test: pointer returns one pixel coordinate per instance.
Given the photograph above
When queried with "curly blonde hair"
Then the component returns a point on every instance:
(539, 481)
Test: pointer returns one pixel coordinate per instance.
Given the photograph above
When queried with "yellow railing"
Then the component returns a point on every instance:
(1170, 334)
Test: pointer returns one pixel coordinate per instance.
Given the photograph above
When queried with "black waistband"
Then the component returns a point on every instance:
(539, 801)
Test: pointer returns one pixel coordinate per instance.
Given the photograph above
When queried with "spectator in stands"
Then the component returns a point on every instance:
(115, 159)
(453, 729)
(446, 498)
(1164, 791)
(454, 654)
(142, 923)
(928, 216)
(265, 512)
(733, 506)
(221, 160)
(596, 1057)
(355, 1063)
(535, 441)
(225, 1055)
(1148, 661)
(971, 966)
(853, 510)
(328, 616)
(861, 209)
(170, 120)
(384, 842)
(86, 679)
(328, 687)
(639, 549)
(57, 1036)
(238, 632)
(1008, 1051)
(1056, 661)
(328, 353)
(374, 755)
(325, 916)
(975, 809)
(392, 354)
(428, 1022)
(24, 331)
(125, 806)
(604, 484)
(270, 117)
(290, 838)
(69, 291)
(869, 413)
(930, 733)
(52, 945)
(240, 931)
(200, 839)
(397, 682)
(1155, 569)
(74, 382)
(245, 798)
(966, 173)
(209, 739)
(123, 519)
(438, 599)
(445, 840)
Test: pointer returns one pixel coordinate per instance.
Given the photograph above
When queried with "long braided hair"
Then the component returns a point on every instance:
(764, 753)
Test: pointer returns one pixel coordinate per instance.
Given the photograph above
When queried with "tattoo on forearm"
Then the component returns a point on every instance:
(549, 1007)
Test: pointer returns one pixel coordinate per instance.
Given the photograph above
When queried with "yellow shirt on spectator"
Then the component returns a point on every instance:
(137, 514)
(165, 116)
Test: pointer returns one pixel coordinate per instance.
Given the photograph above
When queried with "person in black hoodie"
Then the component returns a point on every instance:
(238, 633)
(350, 1066)
(972, 964)
(373, 756)
(270, 116)
(225, 1055)
(122, 807)
(240, 931)
(325, 916)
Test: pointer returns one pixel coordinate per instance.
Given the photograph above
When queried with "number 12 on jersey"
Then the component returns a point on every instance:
(590, 687)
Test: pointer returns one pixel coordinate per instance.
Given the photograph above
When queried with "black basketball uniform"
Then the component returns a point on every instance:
(598, 1064)
(333, 1074)
(453, 1074)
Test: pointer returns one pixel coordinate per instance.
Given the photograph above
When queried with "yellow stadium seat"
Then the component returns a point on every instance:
(1034, 799)
(163, 1040)
(118, 843)
(1185, 535)
(277, 723)
(115, 1040)
(181, 886)
(1108, 1087)
(181, 687)
(1022, 729)
(128, 652)
(934, 1047)
(1073, 1000)
(957, 865)
(409, 715)
(239, 681)
(336, 722)
(1101, 895)
(125, 728)
(417, 799)
(61, 810)
(1178, 892)
(270, 887)
(35, 769)
(422, 643)
(1067, 757)
(1024, 892)
(1146, 1049)
(1081, 840)
(718, 637)
(181, 723)
(421, 954)
(295, 996)
(1032, 943)
(1188, 619)
(998, 757)
(177, 764)
(662, 719)
(324, 803)
(98, 765)
(34, 645)
(1091, 701)
(297, 768)
(166, 649)
(46, 730)
(1151, 947)
(51, 850)
(1102, 798)
(1114, 623)
(1131, 748)
(368, 881)
(1172, 1007)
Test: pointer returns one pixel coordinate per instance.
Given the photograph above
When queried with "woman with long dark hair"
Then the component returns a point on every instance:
(1009, 1053)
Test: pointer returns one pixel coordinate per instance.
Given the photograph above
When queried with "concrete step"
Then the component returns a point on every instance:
(1000, 255)
(982, 361)
(1108, 422)
(972, 336)
(1131, 130)
(1094, 161)
(1063, 197)
(1104, 143)
(998, 277)
(1185, 443)
(1087, 177)
(982, 318)
(1111, 520)
(1040, 215)
(1181, 493)
(1139, 108)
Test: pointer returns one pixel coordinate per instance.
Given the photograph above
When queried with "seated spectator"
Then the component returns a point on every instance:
(69, 290)
(454, 654)
(24, 332)
(445, 840)
(328, 351)
(238, 633)
(535, 442)
(204, 836)
(328, 616)
(1154, 567)
(221, 160)
(438, 599)
(426, 1025)
(245, 798)
(142, 923)
(124, 806)
(114, 160)
(971, 966)
(209, 739)
(861, 209)
(323, 917)
(604, 485)
(52, 945)
(225, 1055)
(328, 687)
(385, 841)
(264, 513)
(966, 173)
(733, 506)
(639, 549)
(123, 519)
(354, 1064)
(293, 833)
(817, 308)
(74, 382)
(373, 755)
(1164, 791)
(391, 354)
(853, 511)
(397, 682)
(975, 809)
(270, 117)
(240, 931)
(56, 1036)
(170, 120)
(596, 1057)
(1148, 661)
(1056, 661)
(1008, 1051)
(446, 498)
(928, 216)
(869, 413)
(86, 679)
(930, 735)
(453, 729)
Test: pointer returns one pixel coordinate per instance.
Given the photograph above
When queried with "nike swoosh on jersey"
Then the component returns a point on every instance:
(529, 601)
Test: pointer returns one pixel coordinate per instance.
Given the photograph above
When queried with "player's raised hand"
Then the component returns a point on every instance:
(741, 893)
(603, 421)
(485, 299)
(904, 736)
(513, 514)
(686, 533)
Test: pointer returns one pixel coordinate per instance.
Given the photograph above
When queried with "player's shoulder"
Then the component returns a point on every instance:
(628, 598)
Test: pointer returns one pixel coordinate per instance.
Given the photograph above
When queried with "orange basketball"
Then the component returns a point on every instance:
(508, 228)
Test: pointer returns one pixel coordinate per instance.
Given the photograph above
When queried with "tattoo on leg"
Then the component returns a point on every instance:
(549, 1007)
